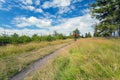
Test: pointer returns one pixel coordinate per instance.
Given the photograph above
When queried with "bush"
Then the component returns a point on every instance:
(16, 39)
(60, 36)
(24, 39)
(4, 40)
(35, 37)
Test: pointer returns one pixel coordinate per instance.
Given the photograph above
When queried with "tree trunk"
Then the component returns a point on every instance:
(114, 33)
(119, 31)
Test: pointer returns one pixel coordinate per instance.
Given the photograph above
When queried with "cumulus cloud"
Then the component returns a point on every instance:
(37, 2)
(60, 3)
(47, 4)
(67, 9)
(64, 10)
(39, 10)
(22, 4)
(26, 2)
(31, 8)
(56, 3)
(31, 4)
(63, 5)
(83, 23)
(31, 21)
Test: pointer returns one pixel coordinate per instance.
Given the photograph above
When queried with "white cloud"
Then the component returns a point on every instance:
(22, 4)
(67, 9)
(2, 1)
(31, 21)
(83, 23)
(63, 5)
(39, 10)
(47, 4)
(74, 1)
(63, 10)
(37, 2)
(85, 11)
(56, 3)
(31, 8)
(26, 2)
(28, 6)
(60, 3)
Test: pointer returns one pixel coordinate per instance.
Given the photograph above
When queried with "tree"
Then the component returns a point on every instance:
(88, 35)
(24, 39)
(96, 32)
(107, 11)
(14, 38)
(55, 33)
(4, 39)
(77, 31)
(15, 35)
(49, 38)
(35, 37)
(82, 36)
(61, 36)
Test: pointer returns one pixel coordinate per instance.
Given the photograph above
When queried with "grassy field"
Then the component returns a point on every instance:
(14, 58)
(86, 59)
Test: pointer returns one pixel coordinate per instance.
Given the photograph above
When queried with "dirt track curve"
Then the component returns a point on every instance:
(37, 64)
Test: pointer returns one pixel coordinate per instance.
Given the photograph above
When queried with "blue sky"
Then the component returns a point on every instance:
(45, 16)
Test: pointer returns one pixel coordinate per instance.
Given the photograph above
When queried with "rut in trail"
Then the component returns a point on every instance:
(37, 64)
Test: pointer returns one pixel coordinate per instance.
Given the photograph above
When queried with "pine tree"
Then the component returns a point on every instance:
(108, 12)
(77, 32)
(89, 34)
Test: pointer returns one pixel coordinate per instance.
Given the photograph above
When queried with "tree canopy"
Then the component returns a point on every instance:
(108, 12)
(77, 32)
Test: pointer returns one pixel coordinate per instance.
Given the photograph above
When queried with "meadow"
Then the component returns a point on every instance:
(16, 57)
(85, 59)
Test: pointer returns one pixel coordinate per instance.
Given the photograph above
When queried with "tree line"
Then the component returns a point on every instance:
(16, 39)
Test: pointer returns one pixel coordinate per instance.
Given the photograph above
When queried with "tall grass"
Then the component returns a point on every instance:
(87, 59)
(11, 49)
(14, 58)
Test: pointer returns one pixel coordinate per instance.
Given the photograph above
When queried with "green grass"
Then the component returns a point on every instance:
(86, 59)
(14, 58)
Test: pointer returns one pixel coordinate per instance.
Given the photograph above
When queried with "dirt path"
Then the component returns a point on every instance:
(37, 64)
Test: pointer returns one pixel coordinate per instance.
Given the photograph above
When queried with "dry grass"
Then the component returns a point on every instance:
(14, 58)
(86, 59)
(20, 48)
(46, 72)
